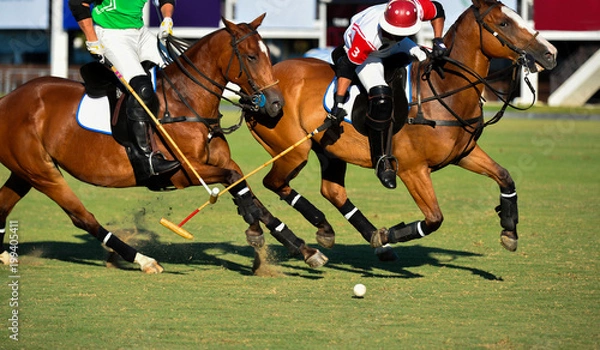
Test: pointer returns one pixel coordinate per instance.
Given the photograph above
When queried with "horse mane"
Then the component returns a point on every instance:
(454, 27)
(186, 46)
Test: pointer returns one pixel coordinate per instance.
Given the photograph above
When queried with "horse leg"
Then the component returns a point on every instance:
(325, 235)
(48, 180)
(419, 185)
(282, 233)
(295, 245)
(254, 212)
(333, 173)
(13, 190)
(277, 180)
(479, 162)
(59, 192)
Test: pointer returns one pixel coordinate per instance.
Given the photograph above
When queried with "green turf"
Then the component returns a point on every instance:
(456, 289)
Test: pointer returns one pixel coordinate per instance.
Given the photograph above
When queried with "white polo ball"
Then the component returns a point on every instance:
(360, 290)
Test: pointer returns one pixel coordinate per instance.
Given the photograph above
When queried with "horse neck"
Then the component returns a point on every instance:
(207, 57)
(465, 45)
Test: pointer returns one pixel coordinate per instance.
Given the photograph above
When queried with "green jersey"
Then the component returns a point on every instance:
(119, 14)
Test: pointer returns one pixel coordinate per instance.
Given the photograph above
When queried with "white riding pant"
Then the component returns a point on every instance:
(370, 73)
(127, 48)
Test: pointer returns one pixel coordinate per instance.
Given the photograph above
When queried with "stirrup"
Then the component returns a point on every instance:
(152, 154)
(153, 172)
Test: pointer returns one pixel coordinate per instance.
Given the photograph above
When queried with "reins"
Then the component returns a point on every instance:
(176, 53)
(513, 70)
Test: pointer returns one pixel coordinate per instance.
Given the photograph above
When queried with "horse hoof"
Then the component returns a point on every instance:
(326, 241)
(153, 267)
(256, 241)
(5, 258)
(379, 238)
(147, 264)
(386, 253)
(508, 242)
(316, 260)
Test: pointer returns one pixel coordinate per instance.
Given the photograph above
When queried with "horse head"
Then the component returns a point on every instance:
(504, 34)
(252, 70)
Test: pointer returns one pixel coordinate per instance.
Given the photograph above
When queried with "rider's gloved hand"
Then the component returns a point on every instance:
(166, 28)
(418, 53)
(96, 49)
(338, 112)
(439, 48)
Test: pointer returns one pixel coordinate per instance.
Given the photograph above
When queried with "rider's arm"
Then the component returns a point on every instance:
(437, 22)
(166, 8)
(83, 15)
(345, 71)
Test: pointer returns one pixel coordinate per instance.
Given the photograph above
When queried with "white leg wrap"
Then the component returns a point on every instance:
(107, 238)
(295, 200)
(349, 214)
(420, 230)
(243, 191)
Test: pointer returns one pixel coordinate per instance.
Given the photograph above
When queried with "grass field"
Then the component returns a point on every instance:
(456, 289)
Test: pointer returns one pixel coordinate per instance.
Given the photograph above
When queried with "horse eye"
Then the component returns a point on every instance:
(251, 58)
(503, 24)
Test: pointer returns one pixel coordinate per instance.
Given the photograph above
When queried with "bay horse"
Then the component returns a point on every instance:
(442, 129)
(39, 136)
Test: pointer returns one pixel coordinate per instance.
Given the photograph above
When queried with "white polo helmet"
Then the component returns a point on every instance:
(401, 18)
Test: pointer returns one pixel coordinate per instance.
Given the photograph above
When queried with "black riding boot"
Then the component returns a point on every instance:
(150, 162)
(382, 161)
(379, 120)
(156, 162)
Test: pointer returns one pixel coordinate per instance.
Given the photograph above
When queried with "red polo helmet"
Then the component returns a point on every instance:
(401, 18)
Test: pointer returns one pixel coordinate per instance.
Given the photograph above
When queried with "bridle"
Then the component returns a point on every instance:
(257, 99)
(176, 53)
(468, 125)
(523, 59)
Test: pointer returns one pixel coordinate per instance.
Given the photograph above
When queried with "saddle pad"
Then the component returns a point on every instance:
(94, 114)
(354, 91)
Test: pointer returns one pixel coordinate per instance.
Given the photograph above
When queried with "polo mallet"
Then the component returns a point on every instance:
(213, 193)
(185, 234)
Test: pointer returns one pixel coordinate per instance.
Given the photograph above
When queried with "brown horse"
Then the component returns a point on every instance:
(39, 135)
(450, 103)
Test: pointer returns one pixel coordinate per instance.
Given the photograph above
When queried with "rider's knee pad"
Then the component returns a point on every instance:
(142, 85)
(381, 106)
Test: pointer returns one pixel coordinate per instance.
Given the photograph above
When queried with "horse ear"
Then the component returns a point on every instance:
(228, 24)
(480, 3)
(257, 22)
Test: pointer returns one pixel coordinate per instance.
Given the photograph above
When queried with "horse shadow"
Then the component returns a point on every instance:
(352, 258)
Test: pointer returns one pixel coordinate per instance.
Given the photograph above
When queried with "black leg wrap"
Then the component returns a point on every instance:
(306, 208)
(2, 233)
(405, 233)
(358, 220)
(285, 236)
(242, 197)
(507, 211)
(125, 251)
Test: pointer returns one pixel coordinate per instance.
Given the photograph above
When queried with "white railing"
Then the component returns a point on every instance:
(12, 76)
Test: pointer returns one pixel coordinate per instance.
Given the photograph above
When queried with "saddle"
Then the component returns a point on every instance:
(99, 82)
(357, 106)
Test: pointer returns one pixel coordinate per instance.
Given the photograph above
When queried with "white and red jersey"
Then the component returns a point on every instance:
(363, 37)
